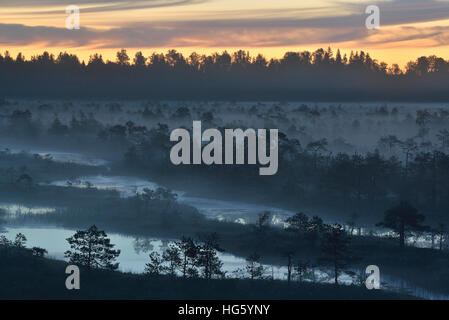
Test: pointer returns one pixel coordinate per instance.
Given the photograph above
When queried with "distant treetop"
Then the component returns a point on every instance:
(321, 74)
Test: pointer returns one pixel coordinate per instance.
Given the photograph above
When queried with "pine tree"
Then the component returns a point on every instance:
(401, 219)
(171, 256)
(20, 240)
(188, 253)
(335, 249)
(207, 256)
(93, 249)
(253, 266)
(301, 269)
(155, 266)
(338, 58)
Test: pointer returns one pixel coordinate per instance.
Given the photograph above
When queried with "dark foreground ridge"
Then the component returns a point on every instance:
(25, 276)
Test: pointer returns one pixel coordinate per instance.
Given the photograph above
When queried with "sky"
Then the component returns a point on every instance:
(408, 28)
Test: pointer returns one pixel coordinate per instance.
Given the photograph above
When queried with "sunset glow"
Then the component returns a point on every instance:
(409, 29)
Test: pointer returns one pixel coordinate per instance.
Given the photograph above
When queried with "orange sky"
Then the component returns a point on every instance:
(409, 28)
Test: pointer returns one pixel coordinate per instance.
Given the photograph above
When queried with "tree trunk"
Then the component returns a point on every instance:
(433, 239)
(406, 165)
(289, 269)
(434, 182)
(336, 273)
(89, 262)
(402, 235)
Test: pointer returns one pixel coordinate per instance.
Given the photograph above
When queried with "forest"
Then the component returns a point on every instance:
(358, 184)
(322, 75)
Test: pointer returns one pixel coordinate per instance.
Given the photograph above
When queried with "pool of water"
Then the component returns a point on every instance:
(212, 208)
(134, 251)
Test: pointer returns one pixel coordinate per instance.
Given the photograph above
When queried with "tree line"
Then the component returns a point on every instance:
(195, 258)
(309, 174)
(297, 75)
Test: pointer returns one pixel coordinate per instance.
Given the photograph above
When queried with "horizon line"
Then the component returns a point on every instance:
(253, 53)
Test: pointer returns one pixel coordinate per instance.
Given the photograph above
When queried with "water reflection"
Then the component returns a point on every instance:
(134, 251)
(238, 212)
(134, 256)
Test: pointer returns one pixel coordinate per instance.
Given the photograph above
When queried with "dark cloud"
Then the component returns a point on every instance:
(16, 35)
(405, 11)
(438, 35)
(174, 35)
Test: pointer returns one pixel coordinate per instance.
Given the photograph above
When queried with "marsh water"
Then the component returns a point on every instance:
(134, 255)
(239, 212)
(134, 251)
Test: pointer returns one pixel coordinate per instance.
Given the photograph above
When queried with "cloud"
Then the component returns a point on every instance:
(429, 36)
(398, 12)
(180, 34)
(393, 12)
(260, 29)
(20, 35)
(224, 34)
(94, 6)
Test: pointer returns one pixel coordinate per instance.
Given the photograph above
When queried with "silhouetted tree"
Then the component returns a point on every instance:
(335, 249)
(390, 142)
(93, 249)
(301, 269)
(172, 258)
(208, 259)
(443, 138)
(139, 60)
(296, 74)
(441, 231)
(289, 255)
(155, 266)
(253, 266)
(38, 252)
(263, 221)
(409, 147)
(401, 219)
(316, 228)
(5, 241)
(122, 58)
(20, 240)
(188, 251)
(298, 223)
